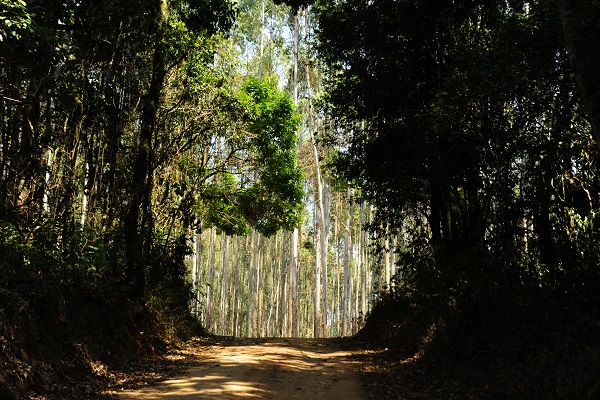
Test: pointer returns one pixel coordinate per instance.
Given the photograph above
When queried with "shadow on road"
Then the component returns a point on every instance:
(264, 369)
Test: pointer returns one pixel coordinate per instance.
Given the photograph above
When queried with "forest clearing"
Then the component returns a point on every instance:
(402, 191)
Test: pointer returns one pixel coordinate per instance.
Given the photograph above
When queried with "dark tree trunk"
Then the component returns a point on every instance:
(137, 235)
(542, 225)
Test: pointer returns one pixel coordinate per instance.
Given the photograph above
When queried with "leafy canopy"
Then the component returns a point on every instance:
(271, 198)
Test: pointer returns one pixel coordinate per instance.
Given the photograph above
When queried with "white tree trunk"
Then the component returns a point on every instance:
(211, 279)
(251, 286)
(321, 228)
(225, 297)
(363, 263)
(235, 277)
(84, 200)
(393, 259)
(386, 261)
(317, 282)
(195, 256)
(259, 280)
(262, 36)
(49, 161)
(292, 313)
(347, 273)
(283, 292)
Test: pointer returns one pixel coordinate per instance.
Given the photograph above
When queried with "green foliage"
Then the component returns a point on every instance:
(275, 201)
(170, 291)
(12, 266)
(269, 196)
(205, 17)
(44, 254)
(15, 20)
(222, 205)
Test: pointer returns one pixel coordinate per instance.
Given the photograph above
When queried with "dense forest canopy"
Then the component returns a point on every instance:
(462, 125)
(460, 134)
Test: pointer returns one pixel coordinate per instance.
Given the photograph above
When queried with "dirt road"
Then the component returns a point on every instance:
(264, 369)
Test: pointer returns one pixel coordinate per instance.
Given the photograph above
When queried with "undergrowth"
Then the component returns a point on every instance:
(532, 344)
(65, 306)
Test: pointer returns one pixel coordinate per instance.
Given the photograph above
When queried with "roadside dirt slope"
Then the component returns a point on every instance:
(263, 369)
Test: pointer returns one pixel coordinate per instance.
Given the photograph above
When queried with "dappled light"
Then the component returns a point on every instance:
(264, 369)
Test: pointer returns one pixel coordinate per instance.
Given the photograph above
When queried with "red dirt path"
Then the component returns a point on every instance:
(264, 369)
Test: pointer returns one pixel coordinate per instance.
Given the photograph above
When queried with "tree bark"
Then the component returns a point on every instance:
(195, 275)
(251, 306)
(225, 297)
(259, 283)
(292, 313)
(347, 270)
(363, 263)
(210, 286)
(141, 182)
(386, 261)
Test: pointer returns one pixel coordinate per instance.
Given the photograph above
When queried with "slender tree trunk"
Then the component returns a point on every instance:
(259, 281)
(195, 271)
(393, 259)
(84, 200)
(283, 298)
(251, 286)
(347, 275)
(317, 269)
(348, 309)
(357, 287)
(293, 298)
(141, 182)
(262, 35)
(324, 208)
(386, 261)
(337, 299)
(320, 228)
(273, 290)
(210, 287)
(47, 176)
(236, 288)
(317, 283)
(363, 262)
(225, 297)
(233, 283)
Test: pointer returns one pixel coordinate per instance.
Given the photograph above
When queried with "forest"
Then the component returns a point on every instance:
(419, 175)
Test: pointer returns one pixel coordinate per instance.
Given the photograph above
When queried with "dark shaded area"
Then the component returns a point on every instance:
(461, 124)
(55, 337)
(545, 348)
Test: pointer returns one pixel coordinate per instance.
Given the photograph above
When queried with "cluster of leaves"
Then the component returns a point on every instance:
(277, 195)
(250, 180)
(15, 20)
